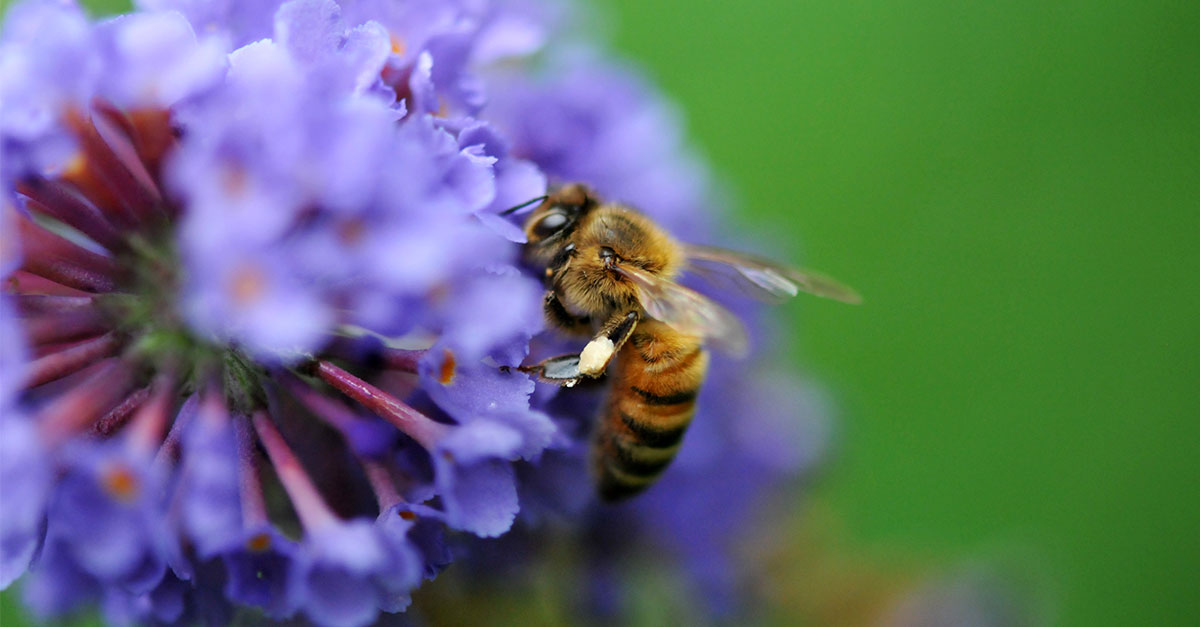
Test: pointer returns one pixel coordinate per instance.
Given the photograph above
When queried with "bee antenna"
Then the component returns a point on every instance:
(523, 205)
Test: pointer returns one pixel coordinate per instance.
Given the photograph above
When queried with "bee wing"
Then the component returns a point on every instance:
(687, 311)
(769, 280)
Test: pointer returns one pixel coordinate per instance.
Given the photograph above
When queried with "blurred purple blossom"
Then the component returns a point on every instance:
(263, 570)
(259, 291)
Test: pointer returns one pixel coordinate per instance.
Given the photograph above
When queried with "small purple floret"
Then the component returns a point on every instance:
(348, 564)
(210, 501)
(264, 569)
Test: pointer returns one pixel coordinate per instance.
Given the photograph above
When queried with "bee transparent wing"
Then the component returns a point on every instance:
(768, 280)
(687, 311)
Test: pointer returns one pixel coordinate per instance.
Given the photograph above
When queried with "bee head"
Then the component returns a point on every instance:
(550, 224)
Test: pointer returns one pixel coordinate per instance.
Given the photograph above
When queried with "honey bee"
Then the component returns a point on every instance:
(610, 274)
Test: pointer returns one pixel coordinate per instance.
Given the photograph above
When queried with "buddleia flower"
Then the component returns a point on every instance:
(262, 304)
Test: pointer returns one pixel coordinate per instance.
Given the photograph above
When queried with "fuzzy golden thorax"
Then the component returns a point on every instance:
(587, 285)
(571, 234)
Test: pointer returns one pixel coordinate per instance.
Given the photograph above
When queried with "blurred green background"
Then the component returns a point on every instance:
(1015, 187)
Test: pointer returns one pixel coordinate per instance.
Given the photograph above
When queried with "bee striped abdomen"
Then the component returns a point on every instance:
(654, 387)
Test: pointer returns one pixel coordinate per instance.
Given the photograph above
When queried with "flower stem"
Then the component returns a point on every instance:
(79, 407)
(416, 425)
(53, 199)
(65, 327)
(37, 304)
(150, 422)
(314, 513)
(22, 282)
(254, 504)
(62, 261)
(381, 482)
(149, 132)
(116, 417)
(403, 360)
(168, 451)
(71, 360)
(134, 199)
(327, 410)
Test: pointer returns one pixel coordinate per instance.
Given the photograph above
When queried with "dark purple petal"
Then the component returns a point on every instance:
(416, 534)
(56, 585)
(168, 599)
(265, 570)
(474, 478)
(471, 390)
(557, 486)
(472, 393)
(209, 483)
(341, 585)
(104, 511)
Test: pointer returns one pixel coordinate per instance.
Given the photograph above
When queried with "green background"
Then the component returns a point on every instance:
(1015, 188)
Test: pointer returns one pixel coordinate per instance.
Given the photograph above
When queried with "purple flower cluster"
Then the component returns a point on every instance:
(259, 294)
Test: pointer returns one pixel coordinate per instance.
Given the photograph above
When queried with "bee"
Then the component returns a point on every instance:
(610, 273)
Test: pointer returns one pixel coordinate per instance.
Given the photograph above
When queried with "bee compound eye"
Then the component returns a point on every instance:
(549, 224)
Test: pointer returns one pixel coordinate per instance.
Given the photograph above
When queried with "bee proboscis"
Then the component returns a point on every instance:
(610, 274)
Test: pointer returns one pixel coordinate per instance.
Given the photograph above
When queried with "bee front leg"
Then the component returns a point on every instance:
(561, 370)
(594, 358)
(558, 316)
(568, 370)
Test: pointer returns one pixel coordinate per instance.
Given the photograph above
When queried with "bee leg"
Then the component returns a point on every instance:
(593, 361)
(558, 316)
(562, 370)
